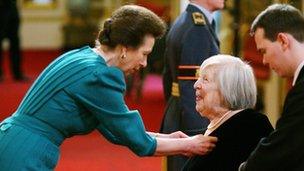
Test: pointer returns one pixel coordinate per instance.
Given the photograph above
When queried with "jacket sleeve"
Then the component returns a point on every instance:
(282, 150)
(102, 95)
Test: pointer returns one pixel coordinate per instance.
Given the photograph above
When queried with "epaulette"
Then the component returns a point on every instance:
(198, 18)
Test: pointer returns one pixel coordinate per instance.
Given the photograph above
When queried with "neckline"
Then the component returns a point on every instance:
(97, 52)
(218, 122)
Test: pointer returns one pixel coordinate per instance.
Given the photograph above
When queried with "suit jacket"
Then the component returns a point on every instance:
(187, 44)
(283, 148)
(237, 137)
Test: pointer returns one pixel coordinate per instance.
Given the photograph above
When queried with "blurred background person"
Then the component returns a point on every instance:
(192, 39)
(9, 29)
(226, 94)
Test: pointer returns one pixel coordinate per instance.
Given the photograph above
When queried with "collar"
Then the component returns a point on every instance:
(96, 51)
(207, 13)
(296, 74)
(215, 124)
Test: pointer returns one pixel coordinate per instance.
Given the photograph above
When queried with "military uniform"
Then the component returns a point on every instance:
(190, 41)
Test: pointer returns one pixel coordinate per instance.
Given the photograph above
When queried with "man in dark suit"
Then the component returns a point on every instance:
(9, 28)
(279, 36)
(190, 41)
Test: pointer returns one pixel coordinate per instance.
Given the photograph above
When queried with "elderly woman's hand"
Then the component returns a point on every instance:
(200, 145)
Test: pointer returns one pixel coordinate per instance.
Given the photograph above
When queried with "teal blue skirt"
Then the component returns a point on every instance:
(23, 150)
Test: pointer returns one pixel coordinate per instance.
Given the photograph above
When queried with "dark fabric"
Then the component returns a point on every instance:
(237, 137)
(283, 148)
(186, 44)
(174, 117)
(213, 25)
(187, 72)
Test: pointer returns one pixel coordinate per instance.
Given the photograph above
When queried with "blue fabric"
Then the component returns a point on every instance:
(75, 94)
(24, 150)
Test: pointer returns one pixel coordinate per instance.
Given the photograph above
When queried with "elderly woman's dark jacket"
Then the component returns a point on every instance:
(237, 138)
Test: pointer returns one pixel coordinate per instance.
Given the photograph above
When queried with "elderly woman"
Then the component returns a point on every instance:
(226, 95)
(82, 90)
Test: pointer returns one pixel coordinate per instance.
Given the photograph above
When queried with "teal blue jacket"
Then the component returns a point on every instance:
(76, 94)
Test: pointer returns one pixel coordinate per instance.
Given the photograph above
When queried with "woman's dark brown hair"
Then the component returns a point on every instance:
(129, 25)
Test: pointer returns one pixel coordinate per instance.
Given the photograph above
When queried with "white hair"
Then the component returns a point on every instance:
(235, 80)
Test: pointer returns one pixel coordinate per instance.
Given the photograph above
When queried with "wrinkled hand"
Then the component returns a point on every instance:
(178, 134)
(200, 145)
